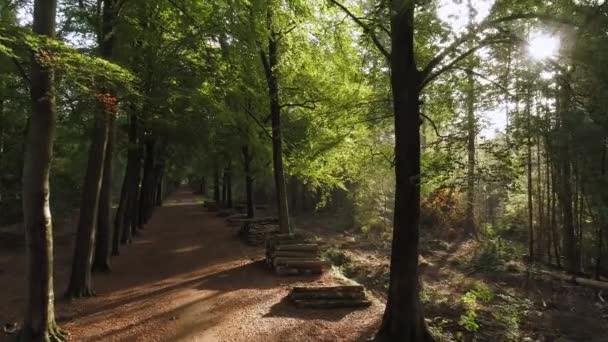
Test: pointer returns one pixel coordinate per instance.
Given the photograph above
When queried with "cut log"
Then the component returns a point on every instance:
(297, 247)
(316, 295)
(339, 288)
(301, 263)
(332, 304)
(287, 271)
(296, 262)
(296, 254)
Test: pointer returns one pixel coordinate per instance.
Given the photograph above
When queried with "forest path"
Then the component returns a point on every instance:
(188, 277)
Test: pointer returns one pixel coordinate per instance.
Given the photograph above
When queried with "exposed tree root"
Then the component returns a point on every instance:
(53, 334)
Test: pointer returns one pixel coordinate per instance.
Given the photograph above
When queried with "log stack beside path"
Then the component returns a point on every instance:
(329, 297)
(288, 254)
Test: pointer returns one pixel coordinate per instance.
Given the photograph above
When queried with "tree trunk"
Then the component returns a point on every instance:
(470, 229)
(147, 184)
(529, 179)
(229, 185)
(121, 220)
(216, 186)
(80, 280)
(569, 236)
(39, 321)
(403, 317)
(247, 158)
(103, 241)
(270, 64)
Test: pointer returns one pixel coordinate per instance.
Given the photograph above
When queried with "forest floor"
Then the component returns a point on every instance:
(186, 277)
(468, 294)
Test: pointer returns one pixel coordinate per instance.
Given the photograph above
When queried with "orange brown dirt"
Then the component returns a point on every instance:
(186, 277)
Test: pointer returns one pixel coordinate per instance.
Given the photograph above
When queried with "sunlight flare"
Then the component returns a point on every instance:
(542, 46)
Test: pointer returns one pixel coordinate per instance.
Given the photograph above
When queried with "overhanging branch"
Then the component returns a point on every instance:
(365, 28)
(490, 23)
(489, 41)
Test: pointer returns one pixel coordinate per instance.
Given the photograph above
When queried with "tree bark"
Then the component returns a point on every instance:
(529, 177)
(470, 229)
(403, 317)
(270, 64)
(228, 174)
(147, 184)
(103, 241)
(247, 158)
(39, 321)
(216, 186)
(121, 220)
(80, 279)
(565, 193)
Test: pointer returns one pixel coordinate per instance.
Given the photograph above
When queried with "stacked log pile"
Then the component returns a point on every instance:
(288, 254)
(329, 297)
(255, 232)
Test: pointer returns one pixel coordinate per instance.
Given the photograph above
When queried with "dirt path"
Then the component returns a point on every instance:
(188, 278)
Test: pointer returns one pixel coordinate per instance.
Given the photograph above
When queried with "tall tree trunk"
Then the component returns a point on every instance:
(541, 230)
(103, 241)
(80, 279)
(470, 229)
(403, 317)
(147, 184)
(247, 158)
(565, 193)
(600, 233)
(224, 188)
(132, 222)
(529, 175)
(39, 320)
(216, 186)
(270, 64)
(229, 185)
(127, 191)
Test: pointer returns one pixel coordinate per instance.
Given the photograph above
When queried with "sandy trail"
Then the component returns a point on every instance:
(188, 278)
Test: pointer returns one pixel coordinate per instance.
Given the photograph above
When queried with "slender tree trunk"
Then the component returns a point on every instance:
(80, 280)
(229, 185)
(216, 186)
(270, 64)
(103, 241)
(224, 188)
(133, 217)
(247, 158)
(470, 229)
(147, 184)
(569, 236)
(600, 233)
(542, 234)
(529, 178)
(39, 319)
(403, 317)
(121, 220)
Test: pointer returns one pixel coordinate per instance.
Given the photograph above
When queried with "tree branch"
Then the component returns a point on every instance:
(308, 104)
(483, 26)
(431, 77)
(365, 28)
(257, 121)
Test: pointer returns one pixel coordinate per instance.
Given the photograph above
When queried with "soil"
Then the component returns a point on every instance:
(186, 277)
